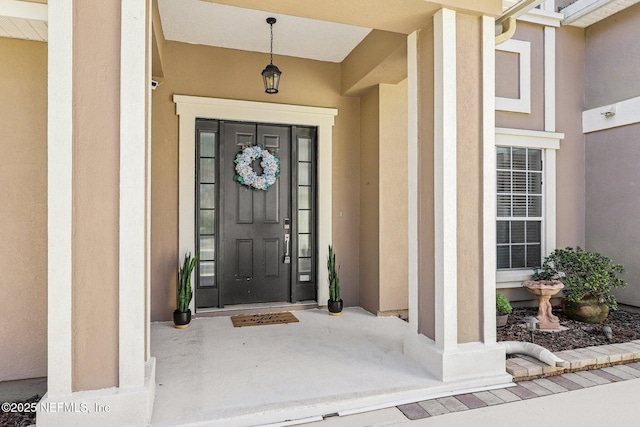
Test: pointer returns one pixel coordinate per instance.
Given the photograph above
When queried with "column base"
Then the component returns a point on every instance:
(106, 407)
(470, 361)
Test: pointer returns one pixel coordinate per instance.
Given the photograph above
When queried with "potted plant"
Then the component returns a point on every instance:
(335, 302)
(589, 278)
(182, 315)
(503, 309)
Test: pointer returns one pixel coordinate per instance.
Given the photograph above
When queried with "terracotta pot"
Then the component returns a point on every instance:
(587, 310)
(182, 319)
(335, 307)
(501, 320)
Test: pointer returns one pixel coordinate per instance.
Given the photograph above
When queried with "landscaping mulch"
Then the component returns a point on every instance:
(625, 326)
(20, 419)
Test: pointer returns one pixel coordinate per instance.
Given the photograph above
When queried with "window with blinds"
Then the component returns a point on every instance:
(519, 207)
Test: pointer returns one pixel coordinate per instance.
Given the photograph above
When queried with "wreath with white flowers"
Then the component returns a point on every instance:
(247, 176)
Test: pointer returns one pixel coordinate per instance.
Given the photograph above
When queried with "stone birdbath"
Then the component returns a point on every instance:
(544, 290)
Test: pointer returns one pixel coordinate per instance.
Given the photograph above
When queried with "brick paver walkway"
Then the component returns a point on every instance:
(588, 367)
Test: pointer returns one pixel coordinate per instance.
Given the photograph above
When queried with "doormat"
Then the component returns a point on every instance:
(263, 319)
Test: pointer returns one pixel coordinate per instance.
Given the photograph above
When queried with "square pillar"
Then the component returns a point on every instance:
(451, 278)
(99, 370)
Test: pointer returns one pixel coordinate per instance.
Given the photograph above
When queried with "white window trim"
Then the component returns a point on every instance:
(188, 108)
(523, 103)
(548, 142)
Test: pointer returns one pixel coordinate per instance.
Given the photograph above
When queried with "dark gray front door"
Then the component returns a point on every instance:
(252, 222)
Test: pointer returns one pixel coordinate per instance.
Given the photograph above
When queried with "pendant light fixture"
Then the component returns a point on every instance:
(271, 74)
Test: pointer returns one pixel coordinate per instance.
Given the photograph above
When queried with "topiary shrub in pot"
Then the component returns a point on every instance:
(182, 315)
(503, 309)
(588, 277)
(335, 302)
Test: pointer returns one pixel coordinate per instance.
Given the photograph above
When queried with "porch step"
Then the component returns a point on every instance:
(526, 368)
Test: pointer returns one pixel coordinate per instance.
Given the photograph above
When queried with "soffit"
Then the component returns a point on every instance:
(583, 13)
(23, 20)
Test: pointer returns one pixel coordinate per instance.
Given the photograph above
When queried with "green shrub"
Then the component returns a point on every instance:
(502, 305)
(584, 274)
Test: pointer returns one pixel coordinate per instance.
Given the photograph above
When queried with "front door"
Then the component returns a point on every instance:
(255, 227)
(255, 246)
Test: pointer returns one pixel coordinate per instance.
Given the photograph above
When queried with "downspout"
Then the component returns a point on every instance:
(508, 19)
(534, 350)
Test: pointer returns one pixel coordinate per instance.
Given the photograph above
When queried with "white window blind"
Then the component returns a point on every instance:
(519, 207)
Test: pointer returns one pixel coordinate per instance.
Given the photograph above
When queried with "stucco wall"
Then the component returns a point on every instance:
(613, 185)
(504, 79)
(570, 166)
(227, 73)
(612, 177)
(96, 190)
(370, 200)
(393, 198)
(23, 209)
(469, 177)
(426, 221)
(613, 59)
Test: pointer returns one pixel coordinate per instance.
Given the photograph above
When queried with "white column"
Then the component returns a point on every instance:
(412, 187)
(445, 183)
(488, 179)
(133, 197)
(60, 192)
(475, 364)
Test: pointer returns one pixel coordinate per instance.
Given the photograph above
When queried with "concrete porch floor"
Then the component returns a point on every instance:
(215, 374)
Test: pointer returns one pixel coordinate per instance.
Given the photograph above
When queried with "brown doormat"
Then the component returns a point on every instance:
(263, 319)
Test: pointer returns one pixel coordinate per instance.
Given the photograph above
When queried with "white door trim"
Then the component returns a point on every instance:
(188, 108)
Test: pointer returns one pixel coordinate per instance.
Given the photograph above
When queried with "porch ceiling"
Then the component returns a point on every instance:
(325, 31)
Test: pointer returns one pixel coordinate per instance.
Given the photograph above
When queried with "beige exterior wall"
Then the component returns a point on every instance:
(96, 140)
(383, 222)
(393, 198)
(23, 174)
(370, 200)
(613, 225)
(508, 68)
(504, 79)
(612, 177)
(570, 167)
(426, 220)
(469, 177)
(613, 59)
(227, 73)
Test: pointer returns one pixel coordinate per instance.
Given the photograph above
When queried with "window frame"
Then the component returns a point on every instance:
(548, 142)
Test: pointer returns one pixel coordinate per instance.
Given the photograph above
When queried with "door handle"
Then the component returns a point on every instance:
(287, 257)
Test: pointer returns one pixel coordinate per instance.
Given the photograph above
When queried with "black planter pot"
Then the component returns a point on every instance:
(182, 319)
(335, 307)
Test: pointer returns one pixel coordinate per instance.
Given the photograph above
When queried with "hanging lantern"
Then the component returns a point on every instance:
(271, 73)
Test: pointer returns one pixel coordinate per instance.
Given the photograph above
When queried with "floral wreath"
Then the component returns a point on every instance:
(247, 176)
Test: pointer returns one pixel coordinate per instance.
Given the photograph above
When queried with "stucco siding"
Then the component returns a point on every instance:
(96, 189)
(613, 185)
(23, 209)
(469, 177)
(393, 197)
(613, 59)
(370, 200)
(426, 220)
(570, 166)
(505, 80)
